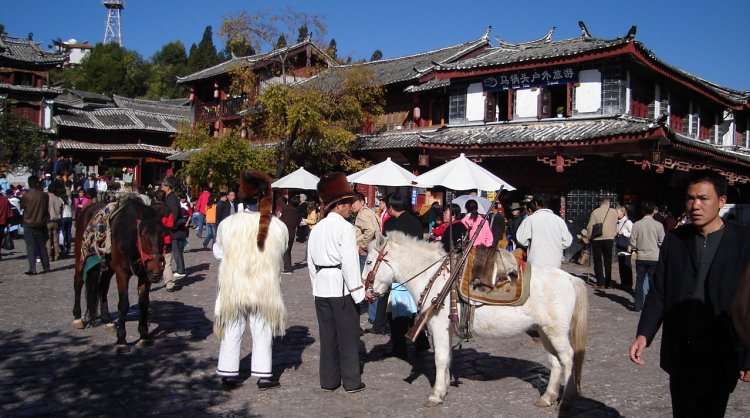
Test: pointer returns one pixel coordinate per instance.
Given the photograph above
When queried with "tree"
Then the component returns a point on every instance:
(264, 29)
(108, 69)
(168, 63)
(191, 136)
(219, 163)
(281, 42)
(2, 29)
(204, 55)
(332, 49)
(303, 33)
(314, 125)
(376, 55)
(20, 141)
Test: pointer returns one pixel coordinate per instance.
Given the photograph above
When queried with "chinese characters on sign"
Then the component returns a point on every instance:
(529, 78)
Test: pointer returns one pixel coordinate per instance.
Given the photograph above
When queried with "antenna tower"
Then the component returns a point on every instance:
(112, 30)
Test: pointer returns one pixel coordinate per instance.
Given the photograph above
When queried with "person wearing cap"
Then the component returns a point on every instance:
(544, 234)
(333, 263)
(179, 234)
(514, 220)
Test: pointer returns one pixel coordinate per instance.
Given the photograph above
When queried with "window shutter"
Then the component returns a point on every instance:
(490, 104)
(545, 103)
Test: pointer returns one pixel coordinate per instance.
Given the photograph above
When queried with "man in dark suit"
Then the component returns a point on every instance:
(699, 268)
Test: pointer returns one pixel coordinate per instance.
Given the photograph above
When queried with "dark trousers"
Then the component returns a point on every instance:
(644, 281)
(288, 254)
(381, 316)
(399, 327)
(601, 250)
(178, 246)
(66, 225)
(699, 394)
(626, 270)
(338, 321)
(36, 239)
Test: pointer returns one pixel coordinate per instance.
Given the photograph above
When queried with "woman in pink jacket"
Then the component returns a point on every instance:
(472, 220)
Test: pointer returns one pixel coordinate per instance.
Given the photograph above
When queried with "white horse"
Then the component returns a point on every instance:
(557, 308)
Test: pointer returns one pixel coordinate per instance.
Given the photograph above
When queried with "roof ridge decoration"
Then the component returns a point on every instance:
(585, 34)
(547, 38)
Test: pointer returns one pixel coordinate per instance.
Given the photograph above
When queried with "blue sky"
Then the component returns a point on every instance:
(708, 39)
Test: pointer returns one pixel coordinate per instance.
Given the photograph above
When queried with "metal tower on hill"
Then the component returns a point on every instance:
(112, 30)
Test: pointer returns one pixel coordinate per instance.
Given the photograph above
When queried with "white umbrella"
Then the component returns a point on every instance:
(462, 174)
(299, 179)
(483, 205)
(386, 173)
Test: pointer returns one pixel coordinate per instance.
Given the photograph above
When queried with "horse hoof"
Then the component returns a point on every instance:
(78, 324)
(110, 326)
(146, 342)
(542, 403)
(122, 348)
(430, 403)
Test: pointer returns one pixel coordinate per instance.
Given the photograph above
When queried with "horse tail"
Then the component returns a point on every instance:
(92, 280)
(257, 183)
(579, 329)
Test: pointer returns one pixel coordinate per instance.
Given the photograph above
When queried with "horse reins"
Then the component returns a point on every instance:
(144, 257)
(422, 296)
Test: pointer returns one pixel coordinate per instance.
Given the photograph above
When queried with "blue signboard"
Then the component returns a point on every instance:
(548, 76)
(413, 196)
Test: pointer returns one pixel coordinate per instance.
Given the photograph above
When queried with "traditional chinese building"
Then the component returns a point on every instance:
(129, 137)
(210, 95)
(580, 117)
(24, 78)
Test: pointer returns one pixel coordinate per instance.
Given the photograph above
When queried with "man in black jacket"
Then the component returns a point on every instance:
(179, 233)
(699, 267)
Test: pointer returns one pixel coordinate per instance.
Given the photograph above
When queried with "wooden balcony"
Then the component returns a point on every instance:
(219, 109)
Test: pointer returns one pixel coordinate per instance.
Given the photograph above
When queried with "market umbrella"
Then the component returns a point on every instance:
(299, 179)
(462, 174)
(483, 205)
(386, 173)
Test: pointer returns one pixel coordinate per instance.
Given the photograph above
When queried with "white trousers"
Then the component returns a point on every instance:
(229, 353)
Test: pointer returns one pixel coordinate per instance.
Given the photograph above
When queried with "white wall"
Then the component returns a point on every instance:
(527, 103)
(475, 102)
(589, 92)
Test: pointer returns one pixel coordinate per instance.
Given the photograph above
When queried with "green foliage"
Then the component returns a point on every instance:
(332, 49)
(303, 33)
(108, 69)
(204, 55)
(315, 128)
(281, 42)
(169, 63)
(376, 55)
(20, 141)
(219, 163)
(192, 136)
(2, 29)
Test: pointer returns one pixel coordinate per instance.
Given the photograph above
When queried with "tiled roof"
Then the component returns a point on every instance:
(736, 152)
(546, 131)
(533, 51)
(226, 66)
(152, 106)
(25, 52)
(118, 119)
(87, 146)
(430, 85)
(183, 155)
(541, 50)
(30, 89)
(82, 99)
(400, 69)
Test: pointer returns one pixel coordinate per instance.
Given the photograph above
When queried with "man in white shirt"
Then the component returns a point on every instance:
(333, 263)
(544, 234)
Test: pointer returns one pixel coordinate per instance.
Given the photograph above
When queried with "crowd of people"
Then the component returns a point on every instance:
(685, 273)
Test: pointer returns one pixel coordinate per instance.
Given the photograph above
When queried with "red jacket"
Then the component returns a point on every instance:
(200, 204)
(5, 210)
(167, 219)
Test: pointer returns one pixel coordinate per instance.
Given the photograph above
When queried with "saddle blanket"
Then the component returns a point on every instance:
(96, 241)
(505, 292)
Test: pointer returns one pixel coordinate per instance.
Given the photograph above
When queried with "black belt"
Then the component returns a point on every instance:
(319, 268)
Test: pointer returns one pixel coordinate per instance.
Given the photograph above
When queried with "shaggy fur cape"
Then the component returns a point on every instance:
(250, 279)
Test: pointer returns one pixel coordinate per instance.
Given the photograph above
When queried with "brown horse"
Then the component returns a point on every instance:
(137, 237)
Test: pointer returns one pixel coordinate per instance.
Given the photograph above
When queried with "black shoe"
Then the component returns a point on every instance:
(265, 384)
(360, 388)
(174, 288)
(30, 273)
(373, 331)
(231, 381)
(329, 389)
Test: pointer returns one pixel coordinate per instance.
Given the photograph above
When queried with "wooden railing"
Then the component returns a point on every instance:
(213, 110)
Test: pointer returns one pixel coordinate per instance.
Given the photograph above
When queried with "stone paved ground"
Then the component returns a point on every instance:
(49, 369)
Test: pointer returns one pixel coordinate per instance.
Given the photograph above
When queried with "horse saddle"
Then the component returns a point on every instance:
(485, 281)
(96, 237)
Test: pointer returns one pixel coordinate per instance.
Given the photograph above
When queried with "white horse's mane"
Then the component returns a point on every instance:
(424, 247)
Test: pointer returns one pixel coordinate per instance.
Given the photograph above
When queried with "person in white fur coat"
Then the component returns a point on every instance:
(250, 246)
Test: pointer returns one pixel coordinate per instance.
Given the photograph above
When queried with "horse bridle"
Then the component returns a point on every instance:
(144, 257)
(370, 280)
